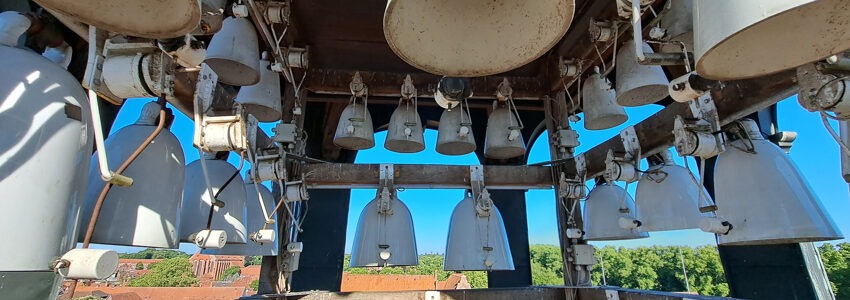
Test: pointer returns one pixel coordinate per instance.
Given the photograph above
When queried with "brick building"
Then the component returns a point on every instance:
(210, 267)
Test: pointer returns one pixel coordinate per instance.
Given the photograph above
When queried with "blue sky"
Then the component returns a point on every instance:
(814, 152)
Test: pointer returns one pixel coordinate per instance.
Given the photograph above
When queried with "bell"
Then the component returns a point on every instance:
(638, 84)
(385, 235)
(743, 39)
(438, 36)
(667, 198)
(262, 99)
(477, 243)
(144, 214)
(255, 222)
(233, 53)
(599, 102)
(604, 212)
(678, 26)
(354, 130)
(229, 209)
(153, 19)
(764, 197)
(454, 134)
(45, 147)
(504, 139)
(405, 133)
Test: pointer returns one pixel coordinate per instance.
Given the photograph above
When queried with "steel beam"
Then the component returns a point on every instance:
(339, 175)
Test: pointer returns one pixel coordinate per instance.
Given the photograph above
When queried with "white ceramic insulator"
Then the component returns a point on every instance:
(215, 239)
(681, 90)
(89, 264)
(629, 223)
(574, 233)
(714, 225)
(264, 236)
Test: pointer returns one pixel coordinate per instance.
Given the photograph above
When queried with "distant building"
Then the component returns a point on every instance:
(208, 268)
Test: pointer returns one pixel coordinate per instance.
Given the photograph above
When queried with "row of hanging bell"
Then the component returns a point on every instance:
(504, 138)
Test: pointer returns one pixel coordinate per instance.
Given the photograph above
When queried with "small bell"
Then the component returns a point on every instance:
(354, 130)
(599, 102)
(405, 132)
(233, 53)
(504, 139)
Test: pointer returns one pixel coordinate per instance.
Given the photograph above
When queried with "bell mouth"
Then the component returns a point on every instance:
(602, 123)
(404, 146)
(262, 113)
(232, 72)
(455, 148)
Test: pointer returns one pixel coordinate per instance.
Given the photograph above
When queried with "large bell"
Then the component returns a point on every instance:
(439, 36)
(454, 134)
(45, 147)
(354, 130)
(405, 133)
(603, 215)
(144, 214)
(153, 19)
(741, 39)
(599, 102)
(234, 54)
(385, 235)
(197, 200)
(262, 99)
(638, 84)
(504, 136)
(477, 242)
(667, 198)
(255, 221)
(764, 197)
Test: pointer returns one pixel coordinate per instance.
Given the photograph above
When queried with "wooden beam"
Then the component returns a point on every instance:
(333, 175)
(388, 84)
(737, 99)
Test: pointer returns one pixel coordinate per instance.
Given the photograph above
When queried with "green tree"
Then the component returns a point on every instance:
(173, 272)
(140, 266)
(151, 253)
(477, 279)
(836, 261)
(546, 265)
(253, 261)
(229, 272)
(255, 284)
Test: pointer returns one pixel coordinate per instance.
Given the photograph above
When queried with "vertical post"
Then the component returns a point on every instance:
(571, 275)
(325, 225)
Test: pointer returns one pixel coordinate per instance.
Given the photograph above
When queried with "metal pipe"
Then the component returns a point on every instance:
(662, 59)
(103, 192)
(637, 31)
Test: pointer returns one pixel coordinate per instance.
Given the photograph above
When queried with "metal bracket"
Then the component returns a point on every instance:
(483, 203)
(504, 90)
(386, 189)
(408, 90)
(624, 168)
(357, 87)
(700, 136)
(292, 256)
(270, 167)
(569, 67)
(218, 133)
